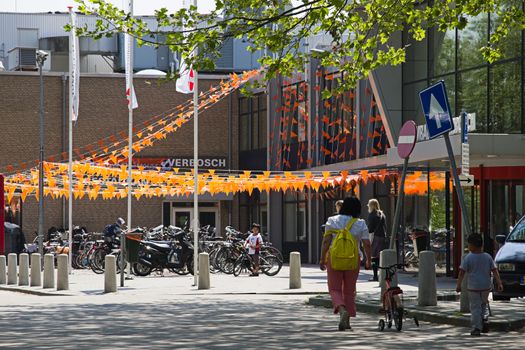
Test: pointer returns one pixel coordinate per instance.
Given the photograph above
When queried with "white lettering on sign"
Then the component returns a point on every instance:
(422, 131)
(187, 162)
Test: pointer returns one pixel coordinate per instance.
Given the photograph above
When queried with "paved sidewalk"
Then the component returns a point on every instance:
(85, 282)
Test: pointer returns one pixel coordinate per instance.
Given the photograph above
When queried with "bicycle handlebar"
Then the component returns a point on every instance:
(394, 266)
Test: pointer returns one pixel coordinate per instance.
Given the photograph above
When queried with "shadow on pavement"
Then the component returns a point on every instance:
(199, 323)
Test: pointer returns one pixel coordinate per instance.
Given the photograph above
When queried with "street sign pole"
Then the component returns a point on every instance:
(405, 145)
(400, 200)
(459, 189)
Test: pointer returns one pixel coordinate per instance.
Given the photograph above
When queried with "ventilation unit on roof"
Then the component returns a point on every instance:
(21, 58)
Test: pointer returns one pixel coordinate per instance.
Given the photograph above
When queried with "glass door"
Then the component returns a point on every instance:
(182, 217)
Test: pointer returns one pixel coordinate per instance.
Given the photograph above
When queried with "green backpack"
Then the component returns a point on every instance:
(344, 253)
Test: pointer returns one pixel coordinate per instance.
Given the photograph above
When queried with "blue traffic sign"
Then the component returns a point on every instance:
(434, 101)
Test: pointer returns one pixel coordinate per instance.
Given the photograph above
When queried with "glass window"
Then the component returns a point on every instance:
(472, 96)
(244, 130)
(511, 45)
(444, 52)
(505, 108)
(255, 129)
(470, 40)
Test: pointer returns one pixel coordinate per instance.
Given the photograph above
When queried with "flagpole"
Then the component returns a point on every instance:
(195, 172)
(72, 42)
(129, 74)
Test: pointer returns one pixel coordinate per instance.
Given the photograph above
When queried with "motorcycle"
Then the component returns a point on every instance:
(175, 255)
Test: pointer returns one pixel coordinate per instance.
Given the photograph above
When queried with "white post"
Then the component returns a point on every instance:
(72, 85)
(129, 74)
(49, 271)
(204, 271)
(295, 270)
(11, 268)
(427, 289)
(23, 270)
(110, 274)
(195, 171)
(3, 270)
(62, 273)
(36, 270)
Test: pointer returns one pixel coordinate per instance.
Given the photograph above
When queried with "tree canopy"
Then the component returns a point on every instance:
(360, 32)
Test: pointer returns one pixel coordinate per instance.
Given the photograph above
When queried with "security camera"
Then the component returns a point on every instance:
(41, 53)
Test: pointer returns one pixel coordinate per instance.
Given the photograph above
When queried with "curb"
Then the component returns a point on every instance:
(427, 315)
(33, 292)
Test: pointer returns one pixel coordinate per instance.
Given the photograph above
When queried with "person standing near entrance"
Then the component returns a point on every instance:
(340, 256)
(254, 243)
(377, 229)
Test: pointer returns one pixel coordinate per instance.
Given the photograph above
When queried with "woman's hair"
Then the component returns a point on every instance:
(373, 204)
(338, 205)
(351, 206)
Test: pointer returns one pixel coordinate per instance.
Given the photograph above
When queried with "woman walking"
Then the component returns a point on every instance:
(344, 232)
(377, 228)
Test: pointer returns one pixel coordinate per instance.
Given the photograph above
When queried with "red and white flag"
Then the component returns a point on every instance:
(186, 81)
(130, 91)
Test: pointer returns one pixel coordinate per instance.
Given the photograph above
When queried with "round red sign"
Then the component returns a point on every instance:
(407, 139)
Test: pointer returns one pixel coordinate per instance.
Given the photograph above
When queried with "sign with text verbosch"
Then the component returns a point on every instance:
(434, 101)
(184, 162)
(407, 139)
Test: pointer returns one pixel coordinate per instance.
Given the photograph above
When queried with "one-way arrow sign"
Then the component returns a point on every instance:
(466, 180)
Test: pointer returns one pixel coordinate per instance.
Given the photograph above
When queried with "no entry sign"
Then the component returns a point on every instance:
(407, 139)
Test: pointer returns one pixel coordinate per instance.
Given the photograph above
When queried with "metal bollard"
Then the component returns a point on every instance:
(295, 270)
(110, 274)
(3, 270)
(11, 269)
(23, 270)
(427, 290)
(49, 271)
(388, 257)
(63, 272)
(36, 270)
(204, 271)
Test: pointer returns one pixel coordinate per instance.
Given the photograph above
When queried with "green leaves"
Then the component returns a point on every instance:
(356, 36)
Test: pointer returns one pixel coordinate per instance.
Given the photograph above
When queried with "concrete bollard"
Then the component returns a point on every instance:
(295, 270)
(36, 270)
(427, 290)
(63, 272)
(3, 270)
(110, 274)
(23, 270)
(11, 269)
(388, 257)
(49, 271)
(204, 271)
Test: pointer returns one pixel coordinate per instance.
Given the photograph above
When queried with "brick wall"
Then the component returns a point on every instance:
(103, 112)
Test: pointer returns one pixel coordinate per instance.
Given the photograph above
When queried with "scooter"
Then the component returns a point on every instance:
(175, 255)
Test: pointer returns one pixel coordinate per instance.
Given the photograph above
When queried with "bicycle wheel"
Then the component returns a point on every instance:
(243, 264)
(141, 269)
(270, 265)
(275, 252)
(397, 314)
(98, 261)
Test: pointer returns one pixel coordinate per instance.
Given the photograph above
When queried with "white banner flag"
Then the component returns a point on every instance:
(74, 70)
(130, 91)
(186, 81)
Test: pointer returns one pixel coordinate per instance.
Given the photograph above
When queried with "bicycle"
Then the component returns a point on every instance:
(270, 265)
(392, 301)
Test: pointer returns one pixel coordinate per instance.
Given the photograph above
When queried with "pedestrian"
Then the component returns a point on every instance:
(112, 232)
(377, 229)
(341, 256)
(338, 206)
(478, 265)
(254, 243)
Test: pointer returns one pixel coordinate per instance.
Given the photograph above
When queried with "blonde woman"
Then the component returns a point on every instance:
(377, 229)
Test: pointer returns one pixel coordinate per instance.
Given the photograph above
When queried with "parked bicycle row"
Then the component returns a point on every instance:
(167, 248)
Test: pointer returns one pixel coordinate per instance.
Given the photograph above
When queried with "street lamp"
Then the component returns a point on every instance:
(41, 57)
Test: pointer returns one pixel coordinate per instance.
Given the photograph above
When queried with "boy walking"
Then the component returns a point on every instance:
(479, 266)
